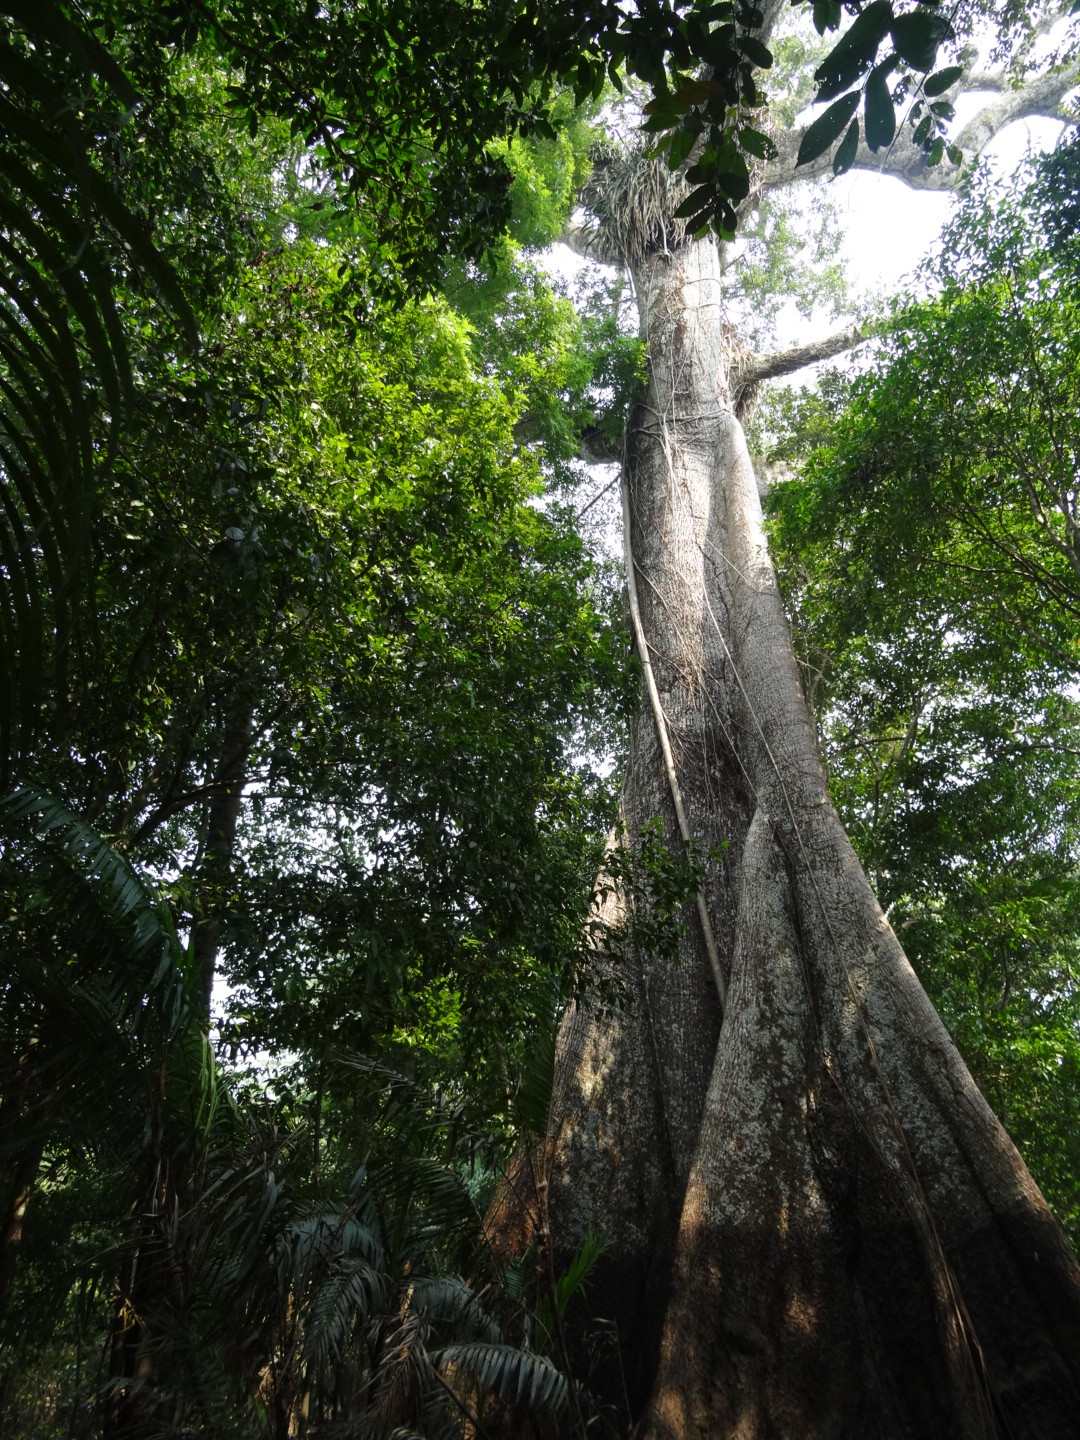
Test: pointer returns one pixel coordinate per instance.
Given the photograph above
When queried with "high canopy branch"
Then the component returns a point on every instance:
(595, 447)
(1046, 95)
(773, 363)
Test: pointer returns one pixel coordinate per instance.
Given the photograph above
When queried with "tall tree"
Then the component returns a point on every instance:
(814, 1215)
(924, 548)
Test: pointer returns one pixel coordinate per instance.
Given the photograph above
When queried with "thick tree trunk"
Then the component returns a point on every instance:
(631, 1082)
(818, 1227)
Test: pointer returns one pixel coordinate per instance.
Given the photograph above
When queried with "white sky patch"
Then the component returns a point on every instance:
(885, 229)
(888, 227)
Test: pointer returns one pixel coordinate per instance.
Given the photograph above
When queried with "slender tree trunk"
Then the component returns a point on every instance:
(24, 1119)
(23, 1179)
(818, 1227)
(222, 819)
(150, 1288)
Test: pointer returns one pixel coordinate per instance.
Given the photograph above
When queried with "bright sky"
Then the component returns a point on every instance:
(885, 228)
(888, 227)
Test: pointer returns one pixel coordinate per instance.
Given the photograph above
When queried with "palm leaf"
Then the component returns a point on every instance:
(68, 241)
(89, 873)
(448, 1300)
(533, 1100)
(349, 1297)
(128, 963)
(575, 1278)
(519, 1377)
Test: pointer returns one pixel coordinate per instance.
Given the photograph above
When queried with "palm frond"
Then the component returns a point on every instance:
(352, 1294)
(449, 1301)
(575, 1278)
(77, 872)
(67, 243)
(632, 198)
(423, 1200)
(519, 1377)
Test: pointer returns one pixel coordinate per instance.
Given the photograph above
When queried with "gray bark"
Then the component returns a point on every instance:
(818, 1228)
(773, 363)
(853, 1207)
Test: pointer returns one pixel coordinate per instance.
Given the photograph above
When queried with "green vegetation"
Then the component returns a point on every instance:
(313, 686)
(320, 728)
(930, 556)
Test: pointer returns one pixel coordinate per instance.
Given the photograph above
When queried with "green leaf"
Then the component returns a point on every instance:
(756, 144)
(663, 105)
(47, 20)
(880, 112)
(845, 154)
(575, 1278)
(856, 50)
(734, 183)
(821, 134)
(756, 52)
(937, 150)
(827, 15)
(679, 146)
(917, 36)
(942, 80)
(533, 1099)
(513, 1375)
(698, 198)
(696, 92)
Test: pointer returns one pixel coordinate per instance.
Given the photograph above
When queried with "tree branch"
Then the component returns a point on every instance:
(587, 241)
(785, 362)
(593, 446)
(1042, 95)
